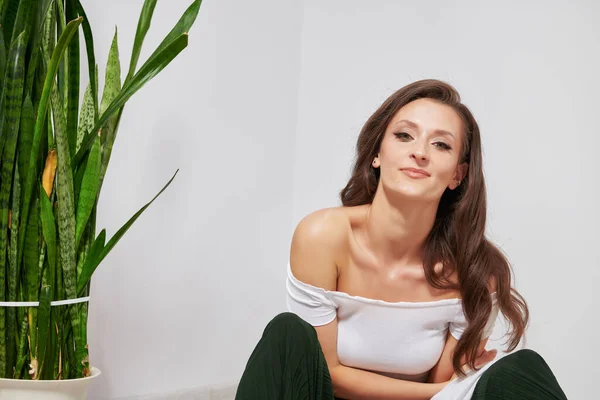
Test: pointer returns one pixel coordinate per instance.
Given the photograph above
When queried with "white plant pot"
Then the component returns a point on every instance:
(68, 389)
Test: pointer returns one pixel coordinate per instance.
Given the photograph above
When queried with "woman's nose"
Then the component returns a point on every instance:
(419, 154)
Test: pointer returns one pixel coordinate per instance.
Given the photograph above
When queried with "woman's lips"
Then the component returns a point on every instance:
(415, 173)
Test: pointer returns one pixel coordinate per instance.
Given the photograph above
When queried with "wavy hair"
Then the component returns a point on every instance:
(457, 239)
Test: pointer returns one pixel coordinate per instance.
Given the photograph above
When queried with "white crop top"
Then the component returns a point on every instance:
(403, 340)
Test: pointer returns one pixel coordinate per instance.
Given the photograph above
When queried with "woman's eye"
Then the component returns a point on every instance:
(442, 145)
(403, 135)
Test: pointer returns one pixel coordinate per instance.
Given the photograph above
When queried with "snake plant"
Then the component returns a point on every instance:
(54, 153)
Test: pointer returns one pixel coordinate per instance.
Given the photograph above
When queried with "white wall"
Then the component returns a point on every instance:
(529, 72)
(261, 114)
(183, 298)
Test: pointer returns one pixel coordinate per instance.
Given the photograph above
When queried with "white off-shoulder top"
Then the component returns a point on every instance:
(403, 340)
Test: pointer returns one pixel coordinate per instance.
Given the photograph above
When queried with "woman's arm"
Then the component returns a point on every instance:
(443, 370)
(317, 243)
(352, 383)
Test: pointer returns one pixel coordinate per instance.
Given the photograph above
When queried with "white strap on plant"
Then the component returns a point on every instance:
(37, 303)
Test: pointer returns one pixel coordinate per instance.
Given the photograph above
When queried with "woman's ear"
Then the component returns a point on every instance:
(375, 162)
(461, 173)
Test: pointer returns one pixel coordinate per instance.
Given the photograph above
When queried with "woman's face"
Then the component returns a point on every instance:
(420, 151)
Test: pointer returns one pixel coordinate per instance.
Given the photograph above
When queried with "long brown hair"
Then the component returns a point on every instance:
(457, 239)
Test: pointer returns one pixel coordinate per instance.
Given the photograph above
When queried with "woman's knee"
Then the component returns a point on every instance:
(529, 357)
(288, 324)
(524, 368)
(518, 362)
(528, 353)
(286, 318)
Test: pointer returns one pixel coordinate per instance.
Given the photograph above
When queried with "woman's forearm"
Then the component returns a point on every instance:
(351, 383)
(440, 373)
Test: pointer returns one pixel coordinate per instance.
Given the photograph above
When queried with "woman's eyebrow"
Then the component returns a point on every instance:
(414, 125)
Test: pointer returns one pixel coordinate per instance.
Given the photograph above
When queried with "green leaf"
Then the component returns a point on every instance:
(14, 270)
(49, 27)
(112, 79)
(86, 243)
(78, 178)
(140, 35)
(65, 196)
(86, 117)
(182, 27)
(9, 16)
(51, 358)
(38, 29)
(63, 65)
(23, 21)
(73, 68)
(25, 137)
(89, 191)
(89, 268)
(152, 67)
(2, 58)
(91, 261)
(49, 233)
(4, 79)
(49, 144)
(31, 270)
(66, 220)
(14, 95)
(112, 87)
(43, 328)
(72, 366)
(89, 46)
(22, 352)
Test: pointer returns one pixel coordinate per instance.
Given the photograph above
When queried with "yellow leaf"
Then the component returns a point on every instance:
(50, 171)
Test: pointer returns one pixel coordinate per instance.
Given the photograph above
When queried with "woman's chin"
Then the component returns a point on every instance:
(413, 192)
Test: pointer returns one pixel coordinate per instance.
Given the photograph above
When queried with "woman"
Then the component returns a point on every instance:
(394, 294)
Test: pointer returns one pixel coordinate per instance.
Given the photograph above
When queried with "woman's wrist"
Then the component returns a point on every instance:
(437, 387)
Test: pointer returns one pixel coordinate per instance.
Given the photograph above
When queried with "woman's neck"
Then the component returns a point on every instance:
(396, 229)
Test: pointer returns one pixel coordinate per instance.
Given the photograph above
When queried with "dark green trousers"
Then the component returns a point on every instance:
(288, 364)
(522, 375)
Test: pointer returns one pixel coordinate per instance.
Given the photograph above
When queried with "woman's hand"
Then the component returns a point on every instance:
(485, 357)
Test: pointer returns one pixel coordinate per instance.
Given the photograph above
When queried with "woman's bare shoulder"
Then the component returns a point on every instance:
(326, 225)
(317, 243)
